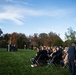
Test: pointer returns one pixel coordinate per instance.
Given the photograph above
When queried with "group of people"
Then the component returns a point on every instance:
(47, 55)
(56, 55)
(11, 48)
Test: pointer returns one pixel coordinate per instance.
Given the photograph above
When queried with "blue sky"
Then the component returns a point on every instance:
(37, 16)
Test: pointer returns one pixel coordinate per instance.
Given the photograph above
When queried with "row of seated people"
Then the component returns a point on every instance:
(43, 55)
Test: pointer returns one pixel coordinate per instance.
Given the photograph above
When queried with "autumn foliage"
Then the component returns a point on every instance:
(20, 39)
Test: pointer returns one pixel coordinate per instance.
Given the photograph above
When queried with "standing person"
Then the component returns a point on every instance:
(71, 58)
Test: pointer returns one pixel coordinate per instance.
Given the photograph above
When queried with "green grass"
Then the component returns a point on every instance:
(18, 63)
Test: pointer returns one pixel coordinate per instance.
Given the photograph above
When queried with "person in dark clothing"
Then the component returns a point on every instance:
(72, 58)
(57, 56)
(40, 57)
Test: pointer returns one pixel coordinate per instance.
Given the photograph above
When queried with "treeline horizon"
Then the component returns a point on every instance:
(47, 39)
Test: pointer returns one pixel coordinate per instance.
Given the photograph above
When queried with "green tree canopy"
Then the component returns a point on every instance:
(70, 36)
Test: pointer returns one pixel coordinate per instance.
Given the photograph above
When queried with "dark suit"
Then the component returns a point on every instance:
(71, 58)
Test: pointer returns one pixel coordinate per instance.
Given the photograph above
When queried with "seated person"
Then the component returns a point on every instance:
(64, 62)
(56, 56)
(52, 56)
(40, 56)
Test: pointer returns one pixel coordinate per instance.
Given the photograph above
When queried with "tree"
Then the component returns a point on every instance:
(34, 39)
(57, 42)
(17, 39)
(43, 38)
(70, 36)
(54, 39)
(21, 40)
(1, 32)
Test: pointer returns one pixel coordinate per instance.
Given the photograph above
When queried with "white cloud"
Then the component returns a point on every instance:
(15, 13)
(18, 2)
(59, 12)
(10, 16)
(50, 13)
(11, 13)
(9, 0)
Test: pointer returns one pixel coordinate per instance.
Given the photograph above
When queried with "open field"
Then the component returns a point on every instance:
(18, 63)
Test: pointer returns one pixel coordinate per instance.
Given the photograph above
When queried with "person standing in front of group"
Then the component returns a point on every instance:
(72, 58)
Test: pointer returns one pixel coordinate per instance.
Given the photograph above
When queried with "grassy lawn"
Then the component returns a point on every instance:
(18, 63)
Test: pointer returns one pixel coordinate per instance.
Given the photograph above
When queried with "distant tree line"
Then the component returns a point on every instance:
(50, 39)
